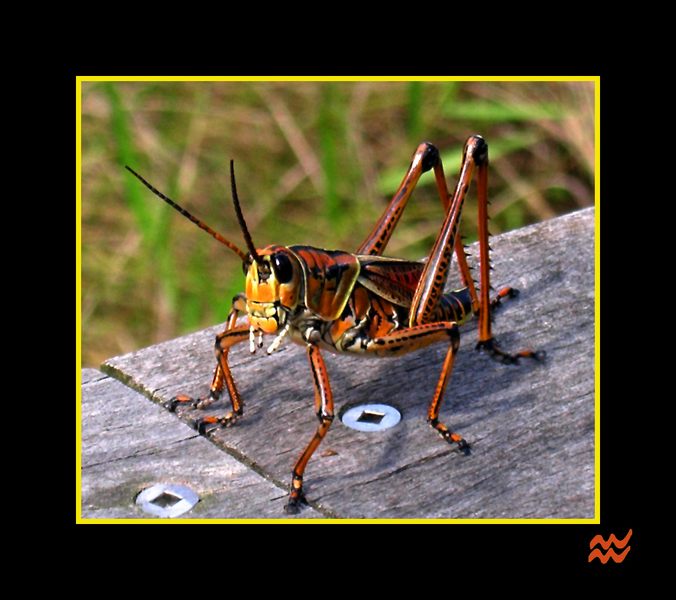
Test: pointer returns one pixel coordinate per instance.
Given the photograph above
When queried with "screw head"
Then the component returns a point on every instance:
(167, 500)
(371, 417)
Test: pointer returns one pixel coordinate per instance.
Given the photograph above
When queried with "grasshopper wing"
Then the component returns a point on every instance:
(393, 279)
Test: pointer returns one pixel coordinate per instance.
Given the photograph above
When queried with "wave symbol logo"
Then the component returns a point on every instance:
(610, 552)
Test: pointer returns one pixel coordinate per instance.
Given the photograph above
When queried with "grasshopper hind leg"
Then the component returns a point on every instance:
(491, 346)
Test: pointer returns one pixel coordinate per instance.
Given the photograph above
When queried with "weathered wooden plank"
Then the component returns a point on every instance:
(129, 444)
(531, 426)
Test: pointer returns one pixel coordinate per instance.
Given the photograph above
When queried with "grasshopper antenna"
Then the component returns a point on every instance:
(186, 214)
(240, 216)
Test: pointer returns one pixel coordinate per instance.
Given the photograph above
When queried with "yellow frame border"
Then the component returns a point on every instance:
(79, 79)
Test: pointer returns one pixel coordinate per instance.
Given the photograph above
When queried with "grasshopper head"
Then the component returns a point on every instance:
(273, 282)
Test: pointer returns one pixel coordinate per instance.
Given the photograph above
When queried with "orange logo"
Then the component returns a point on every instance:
(610, 553)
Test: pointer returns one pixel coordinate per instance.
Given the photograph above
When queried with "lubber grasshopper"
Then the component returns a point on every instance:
(360, 302)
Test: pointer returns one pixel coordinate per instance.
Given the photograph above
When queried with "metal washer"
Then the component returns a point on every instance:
(186, 499)
(390, 417)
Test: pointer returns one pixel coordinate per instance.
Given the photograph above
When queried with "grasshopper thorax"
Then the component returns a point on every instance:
(273, 283)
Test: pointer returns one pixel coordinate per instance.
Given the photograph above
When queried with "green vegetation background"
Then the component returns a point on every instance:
(316, 164)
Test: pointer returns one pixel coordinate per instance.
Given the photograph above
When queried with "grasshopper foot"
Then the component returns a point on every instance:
(295, 503)
(505, 357)
(464, 447)
(207, 425)
(183, 400)
(205, 402)
(450, 437)
(176, 401)
(506, 292)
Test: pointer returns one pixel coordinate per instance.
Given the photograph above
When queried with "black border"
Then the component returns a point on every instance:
(525, 549)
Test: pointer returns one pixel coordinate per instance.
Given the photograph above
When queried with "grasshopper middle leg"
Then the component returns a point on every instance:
(405, 340)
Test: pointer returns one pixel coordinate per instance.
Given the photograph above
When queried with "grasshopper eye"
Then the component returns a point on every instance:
(283, 267)
(245, 266)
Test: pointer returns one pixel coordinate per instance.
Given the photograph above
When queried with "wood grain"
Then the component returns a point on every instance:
(531, 426)
(129, 444)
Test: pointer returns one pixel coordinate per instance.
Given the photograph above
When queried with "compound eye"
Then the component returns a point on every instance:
(283, 267)
(246, 265)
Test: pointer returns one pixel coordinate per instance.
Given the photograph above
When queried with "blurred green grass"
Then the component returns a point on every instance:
(316, 163)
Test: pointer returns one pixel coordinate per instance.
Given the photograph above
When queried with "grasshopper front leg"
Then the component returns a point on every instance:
(325, 414)
(222, 375)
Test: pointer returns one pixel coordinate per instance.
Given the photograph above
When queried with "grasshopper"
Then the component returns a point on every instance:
(360, 303)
